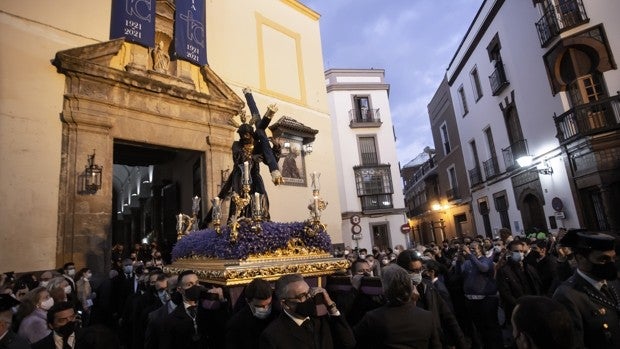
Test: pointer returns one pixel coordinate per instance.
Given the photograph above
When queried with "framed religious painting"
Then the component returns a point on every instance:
(292, 161)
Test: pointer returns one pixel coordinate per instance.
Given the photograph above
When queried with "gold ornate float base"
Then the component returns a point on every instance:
(229, 272)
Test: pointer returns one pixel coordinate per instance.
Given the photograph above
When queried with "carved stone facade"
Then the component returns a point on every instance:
(110, 95)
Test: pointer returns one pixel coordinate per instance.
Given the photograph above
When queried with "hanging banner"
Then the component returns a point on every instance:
(133, 20)
(190, 31)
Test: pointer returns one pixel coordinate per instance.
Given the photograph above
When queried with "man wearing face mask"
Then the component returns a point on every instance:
(68, 272)
(449, 331)
(516, 278)
(244, 328)
(153, 297)
(298, 326)
(592, 294)
(480, 290)
(61, 319)
(191, 324)
(157, 317)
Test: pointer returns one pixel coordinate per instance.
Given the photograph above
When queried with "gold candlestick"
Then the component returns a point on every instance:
(240, 203)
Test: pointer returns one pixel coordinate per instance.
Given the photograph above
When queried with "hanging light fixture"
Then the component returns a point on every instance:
(92, 176)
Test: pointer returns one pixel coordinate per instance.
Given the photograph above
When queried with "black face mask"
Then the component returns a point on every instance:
(193, 293)
(535, 254)
(306, 309)
(176, 298)
(605, 271)
(66, 329)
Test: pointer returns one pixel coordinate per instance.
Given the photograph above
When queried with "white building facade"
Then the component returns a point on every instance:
(370, 190)
(506, 93)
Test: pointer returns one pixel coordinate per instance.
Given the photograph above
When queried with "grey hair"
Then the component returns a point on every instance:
(397, 285)
(284, 281)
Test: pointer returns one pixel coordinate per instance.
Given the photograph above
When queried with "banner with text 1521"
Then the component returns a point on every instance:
(190, 31)
(133, 20)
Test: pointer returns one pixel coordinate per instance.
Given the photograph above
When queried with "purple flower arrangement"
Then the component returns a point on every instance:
(274, 235)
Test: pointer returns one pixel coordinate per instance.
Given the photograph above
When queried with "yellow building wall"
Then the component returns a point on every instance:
(273, 47)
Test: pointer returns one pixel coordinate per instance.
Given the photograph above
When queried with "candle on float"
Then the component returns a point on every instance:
(316, 206)
(216, 201)
(246, 172)
(195, 204)
(257, 202)
(179, 221)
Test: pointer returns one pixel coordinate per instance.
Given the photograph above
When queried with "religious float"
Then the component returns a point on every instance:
(249, 245)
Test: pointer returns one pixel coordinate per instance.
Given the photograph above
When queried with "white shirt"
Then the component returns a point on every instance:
(58, 341)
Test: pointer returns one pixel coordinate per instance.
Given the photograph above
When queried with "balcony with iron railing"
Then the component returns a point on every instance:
(363, 117)
(498, 79)
(559, 18)
(475, 177)
(513, 152)
(491, 168)
(453, 194)
(588, 119)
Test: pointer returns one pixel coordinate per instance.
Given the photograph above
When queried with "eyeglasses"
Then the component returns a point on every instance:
(302, 297)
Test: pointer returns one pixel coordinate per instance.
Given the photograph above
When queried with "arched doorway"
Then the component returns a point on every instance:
(532, 213)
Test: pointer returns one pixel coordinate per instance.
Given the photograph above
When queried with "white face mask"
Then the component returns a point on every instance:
(87, 276)
(261, 313)
(47, 304)
(416, 278)
(67, 289)
(70, 272)
(44, 283)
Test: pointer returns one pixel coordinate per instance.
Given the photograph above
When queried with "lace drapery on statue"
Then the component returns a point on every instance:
(161, 59)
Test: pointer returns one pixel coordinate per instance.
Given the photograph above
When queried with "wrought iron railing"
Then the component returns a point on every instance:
(364, 116)
(513, 152)
(453, 194)
(376, 202)
(491, 168)
(498, 79)
(559, 18)
(475, 177)
(588, 119)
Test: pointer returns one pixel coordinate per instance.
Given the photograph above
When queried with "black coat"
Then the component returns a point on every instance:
(244, 329)
(178, 329)
(329, 332)
(405, 326)
(512, 287)
(13, 341)
(154, 327)
(46, 343)
(590, 311)
(449, 330)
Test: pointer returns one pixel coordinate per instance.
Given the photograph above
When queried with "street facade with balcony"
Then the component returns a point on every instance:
(368, 168)
(508, 121)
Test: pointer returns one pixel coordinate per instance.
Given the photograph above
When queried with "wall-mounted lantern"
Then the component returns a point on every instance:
(91, 177)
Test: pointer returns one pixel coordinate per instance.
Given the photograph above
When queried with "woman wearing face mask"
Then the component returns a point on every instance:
(59, 289)
(33, 310)
(85, 294)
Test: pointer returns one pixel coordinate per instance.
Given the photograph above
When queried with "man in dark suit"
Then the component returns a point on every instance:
(8, 338)
(449, 330)
(399, 323)
(592, 294)
(191, 324)
(299, 326)
(516, 278)
(61, 318)
(157, 317)
(245, 326)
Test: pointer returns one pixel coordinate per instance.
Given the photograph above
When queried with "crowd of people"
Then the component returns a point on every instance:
(543, 291)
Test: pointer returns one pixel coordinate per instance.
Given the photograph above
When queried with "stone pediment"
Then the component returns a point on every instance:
(121, 62)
